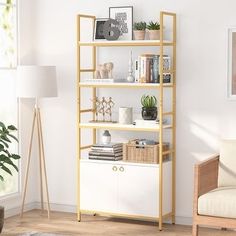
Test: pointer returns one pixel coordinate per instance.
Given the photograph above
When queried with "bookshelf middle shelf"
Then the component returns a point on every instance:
(117, 126)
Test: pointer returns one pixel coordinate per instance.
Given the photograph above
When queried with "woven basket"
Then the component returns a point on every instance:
(143, 153)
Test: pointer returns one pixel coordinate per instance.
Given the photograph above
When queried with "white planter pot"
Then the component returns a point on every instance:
(125, 115)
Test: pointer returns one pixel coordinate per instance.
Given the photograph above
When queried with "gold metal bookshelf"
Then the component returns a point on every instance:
(158, 129)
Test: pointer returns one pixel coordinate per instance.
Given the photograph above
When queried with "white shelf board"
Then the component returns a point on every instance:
(117, 126)
(123, 85)
(106, 43)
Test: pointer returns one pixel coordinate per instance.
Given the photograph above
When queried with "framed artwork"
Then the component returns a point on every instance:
(98, 29)
(232, 63)
(124, 15)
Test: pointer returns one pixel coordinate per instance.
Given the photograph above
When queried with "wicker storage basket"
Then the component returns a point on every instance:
(143, 153)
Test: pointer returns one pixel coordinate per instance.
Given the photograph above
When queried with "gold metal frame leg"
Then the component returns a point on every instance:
(28, 164)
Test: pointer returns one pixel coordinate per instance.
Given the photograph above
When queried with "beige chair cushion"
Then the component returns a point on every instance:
(227, 168)
(220, 202)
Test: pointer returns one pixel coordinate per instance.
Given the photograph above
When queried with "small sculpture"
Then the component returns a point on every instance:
(104, 71)
(103, 107)
(130, 77)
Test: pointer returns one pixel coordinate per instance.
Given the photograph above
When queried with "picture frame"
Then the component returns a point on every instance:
(98, 29)
(231, 83)
(124, 15)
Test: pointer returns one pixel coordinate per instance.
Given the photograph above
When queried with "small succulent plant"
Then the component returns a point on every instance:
(148, 101)
(153, 25)
(140, 25)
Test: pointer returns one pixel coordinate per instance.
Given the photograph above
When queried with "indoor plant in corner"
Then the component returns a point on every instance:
(149, 109)
(6, 157)
(153, 30)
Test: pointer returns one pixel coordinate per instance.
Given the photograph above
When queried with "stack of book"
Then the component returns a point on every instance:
(147, 69)
(112, 152)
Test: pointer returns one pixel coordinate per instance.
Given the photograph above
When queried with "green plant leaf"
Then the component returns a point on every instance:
(5, 144)
(12, 127)
(1, 147)
(6, 169)
(15, 156)
(12, 136)
(5, 138)
(1, 178)
(2, 125)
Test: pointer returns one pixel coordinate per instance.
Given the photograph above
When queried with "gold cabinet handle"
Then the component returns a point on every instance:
(121, 169)
(114, 168)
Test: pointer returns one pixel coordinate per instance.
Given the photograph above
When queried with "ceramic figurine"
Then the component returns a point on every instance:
(130, 77)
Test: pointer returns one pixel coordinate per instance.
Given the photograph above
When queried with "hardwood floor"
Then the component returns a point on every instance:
(66, 224)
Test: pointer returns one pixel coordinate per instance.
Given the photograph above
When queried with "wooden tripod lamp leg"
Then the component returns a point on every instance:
(40, 159)
(28, 164)
(43, 162)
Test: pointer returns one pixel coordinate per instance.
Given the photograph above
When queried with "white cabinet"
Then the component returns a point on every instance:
(124, 188)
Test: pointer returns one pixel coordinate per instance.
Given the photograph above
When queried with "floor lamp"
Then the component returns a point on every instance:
(37, 82)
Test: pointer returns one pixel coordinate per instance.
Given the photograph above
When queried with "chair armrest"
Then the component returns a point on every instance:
(205, 177)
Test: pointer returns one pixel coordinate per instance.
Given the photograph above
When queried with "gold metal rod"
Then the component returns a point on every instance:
(40, 160)
(168, 152)
(85, 147)
(174, 124)
(28, 164)
(86, 16)
(168, 113)
(86, 110)
(78, 117)
(86, 70)
(161, 124)
(168, 13)
(94, 89)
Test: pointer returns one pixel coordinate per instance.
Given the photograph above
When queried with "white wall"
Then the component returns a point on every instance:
(204, 115)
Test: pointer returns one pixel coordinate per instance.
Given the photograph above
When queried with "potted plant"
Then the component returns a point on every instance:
(153, 30)
(149, 109)
(6, 157)
(139, 30)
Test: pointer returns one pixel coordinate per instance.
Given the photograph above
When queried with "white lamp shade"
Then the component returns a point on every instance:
(36, 81)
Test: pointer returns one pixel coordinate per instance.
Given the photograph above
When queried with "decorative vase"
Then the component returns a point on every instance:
(125, 115)
(149, 113)
(1, 218)
(106, 137)
(139, 34)
(154, 34)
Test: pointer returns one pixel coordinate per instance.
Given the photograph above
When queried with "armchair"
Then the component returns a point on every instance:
(215, 189)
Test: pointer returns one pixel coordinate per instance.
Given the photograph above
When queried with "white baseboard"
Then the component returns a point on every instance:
(73, 209)
(16, 210)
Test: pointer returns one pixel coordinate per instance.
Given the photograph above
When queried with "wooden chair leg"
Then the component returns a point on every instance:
(195, 230)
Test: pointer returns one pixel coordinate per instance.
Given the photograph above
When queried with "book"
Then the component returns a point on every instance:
(109, 145)
(92, 153)
(106, 158)
(147, 68)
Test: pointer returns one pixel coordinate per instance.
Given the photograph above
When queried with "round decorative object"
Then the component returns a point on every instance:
(106, 137)
(1, 218)
(149, 113)
(125, 115)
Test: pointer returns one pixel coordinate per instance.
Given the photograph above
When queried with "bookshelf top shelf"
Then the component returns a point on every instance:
(124, 85)
(117, 126)
(126, 43)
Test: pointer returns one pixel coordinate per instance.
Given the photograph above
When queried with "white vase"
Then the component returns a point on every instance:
(125, 115)
(106, 137)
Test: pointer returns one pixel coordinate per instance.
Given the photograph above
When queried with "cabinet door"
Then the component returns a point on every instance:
(98, 187)
(138, 190)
